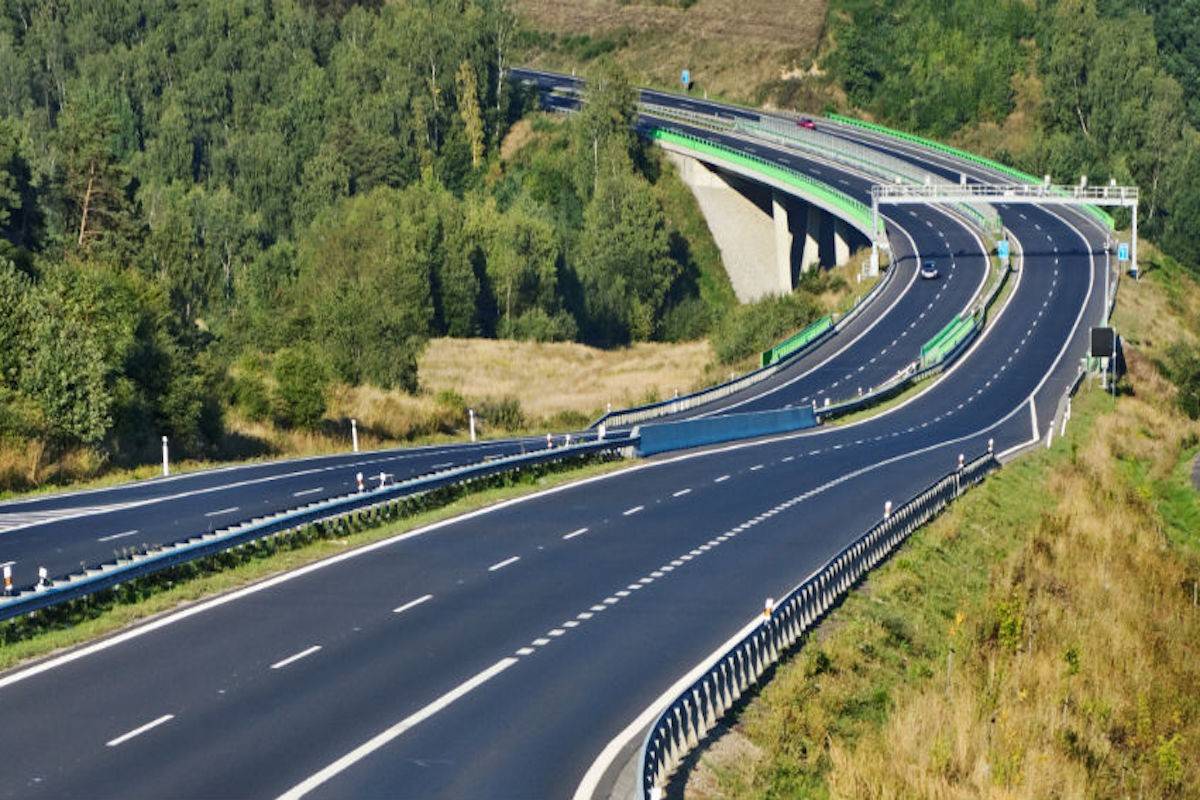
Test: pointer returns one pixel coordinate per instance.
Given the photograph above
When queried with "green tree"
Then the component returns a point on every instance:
(472, 115)
(364, 286)
(625, 259)
(605, 124)
(19, 218)
(1069, 59)
(15, 290)
(301, 382)
(97, 181)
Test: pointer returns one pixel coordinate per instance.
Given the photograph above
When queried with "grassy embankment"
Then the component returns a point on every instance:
(1038, 640)
(734, 50)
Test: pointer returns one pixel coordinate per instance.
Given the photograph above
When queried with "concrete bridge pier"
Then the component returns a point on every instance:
(767, 236)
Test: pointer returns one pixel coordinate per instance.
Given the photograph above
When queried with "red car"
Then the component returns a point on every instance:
(806, 123)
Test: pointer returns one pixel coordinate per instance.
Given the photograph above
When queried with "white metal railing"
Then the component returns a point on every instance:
(1058, 194)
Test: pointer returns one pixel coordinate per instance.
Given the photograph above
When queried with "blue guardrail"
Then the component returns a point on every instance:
(660, 437)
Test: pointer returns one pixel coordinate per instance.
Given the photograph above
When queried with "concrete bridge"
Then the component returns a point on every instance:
(768, 235)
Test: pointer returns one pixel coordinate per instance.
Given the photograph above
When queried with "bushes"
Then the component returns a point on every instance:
(505, 413)
(754, 327)
(1184, 371)
(301, 380)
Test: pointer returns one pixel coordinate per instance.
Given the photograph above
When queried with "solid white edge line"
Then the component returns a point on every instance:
(900, 296)
(125, 737)
(591, 779)
(504, 563)
(149, 627)
(296, 657)
(412, 604)
(386, 736)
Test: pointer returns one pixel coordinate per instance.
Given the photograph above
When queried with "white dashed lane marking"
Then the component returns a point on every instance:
(504, 563)
(296, 657)
(139, 731)
(412, 604)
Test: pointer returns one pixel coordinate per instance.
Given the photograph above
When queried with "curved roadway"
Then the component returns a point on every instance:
(498, 654)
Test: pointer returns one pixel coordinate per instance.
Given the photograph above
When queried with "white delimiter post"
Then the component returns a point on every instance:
(1133, 244)
(166, 460)
(471, 418)
(354, 434)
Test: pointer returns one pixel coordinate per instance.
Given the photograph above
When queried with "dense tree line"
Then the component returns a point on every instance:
(307, 190)
(1115, 86)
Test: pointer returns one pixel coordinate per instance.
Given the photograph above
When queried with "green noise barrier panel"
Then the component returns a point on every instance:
(843, 202)
(796, 341)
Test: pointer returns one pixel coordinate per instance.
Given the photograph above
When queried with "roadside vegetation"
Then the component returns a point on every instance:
(1038, 640)
(244, 243)
(1103, 88)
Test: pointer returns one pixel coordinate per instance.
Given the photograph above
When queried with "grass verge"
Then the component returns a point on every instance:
(108, 612)
(1038, 640)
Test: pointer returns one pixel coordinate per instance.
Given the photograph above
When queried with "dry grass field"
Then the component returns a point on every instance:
(731, 48)
(550, 378)
(1039, 640)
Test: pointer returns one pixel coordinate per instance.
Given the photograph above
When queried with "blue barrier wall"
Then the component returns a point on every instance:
(663, 436)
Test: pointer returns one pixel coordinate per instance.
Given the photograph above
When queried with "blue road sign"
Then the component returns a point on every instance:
(1123, 251)
(685, 78)
(1002, 248)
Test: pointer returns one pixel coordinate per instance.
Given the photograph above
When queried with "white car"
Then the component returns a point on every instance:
(929, 271)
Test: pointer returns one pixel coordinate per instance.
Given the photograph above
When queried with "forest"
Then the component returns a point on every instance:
(1104, 88)
(215, 204)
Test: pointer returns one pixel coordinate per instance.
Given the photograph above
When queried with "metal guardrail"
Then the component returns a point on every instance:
(823, 147)
(853, 211)
(681, 726)
(996, 166)
(915, 372)
(356, 505)
(636, 414)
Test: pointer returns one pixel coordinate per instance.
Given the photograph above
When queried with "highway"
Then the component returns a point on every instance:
(67, 532)
(497, 655)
